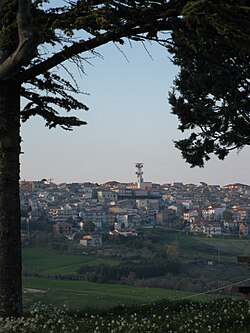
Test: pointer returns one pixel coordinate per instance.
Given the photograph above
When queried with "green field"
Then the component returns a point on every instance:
(203, 247)
(50, 262)
(82, 294)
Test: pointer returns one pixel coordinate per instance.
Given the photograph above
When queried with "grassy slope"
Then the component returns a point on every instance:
(192, 247)
(204, 247)
(84, 294)
(50, 262)
(81, 294)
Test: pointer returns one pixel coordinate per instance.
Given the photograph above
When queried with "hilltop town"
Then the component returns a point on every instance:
(93, 210)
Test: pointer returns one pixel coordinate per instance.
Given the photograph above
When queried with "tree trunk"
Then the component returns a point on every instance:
(10, 235)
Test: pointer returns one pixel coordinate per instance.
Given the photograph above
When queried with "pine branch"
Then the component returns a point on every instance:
(122, 26)
(48, 94)
(69, 52)
(52, 119)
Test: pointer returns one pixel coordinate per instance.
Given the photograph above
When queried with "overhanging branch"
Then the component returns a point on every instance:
(69, 52)
(87, 45)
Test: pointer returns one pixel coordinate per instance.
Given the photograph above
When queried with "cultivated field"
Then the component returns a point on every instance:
(51, 262)
(84, 294)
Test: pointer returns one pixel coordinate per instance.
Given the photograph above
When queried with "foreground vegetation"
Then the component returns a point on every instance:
(217, 316)
(54, 278)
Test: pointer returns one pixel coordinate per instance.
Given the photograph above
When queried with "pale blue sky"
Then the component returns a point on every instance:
(129, 121)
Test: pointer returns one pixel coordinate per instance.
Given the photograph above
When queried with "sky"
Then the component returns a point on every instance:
(129, 121)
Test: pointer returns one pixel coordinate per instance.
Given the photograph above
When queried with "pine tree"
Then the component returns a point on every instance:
(36, 39)
(211, 45)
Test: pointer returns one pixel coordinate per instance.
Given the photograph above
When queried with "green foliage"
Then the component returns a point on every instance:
(144, 268)
(227, 215)
(88, 226)
(211, 46)
(218, 316)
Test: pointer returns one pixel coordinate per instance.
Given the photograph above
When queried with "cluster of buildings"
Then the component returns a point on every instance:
(122, 208)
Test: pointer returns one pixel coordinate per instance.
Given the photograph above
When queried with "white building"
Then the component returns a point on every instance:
(213, 213)
(90, 240)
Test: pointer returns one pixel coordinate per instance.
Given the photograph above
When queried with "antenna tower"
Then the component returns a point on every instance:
(139, 173)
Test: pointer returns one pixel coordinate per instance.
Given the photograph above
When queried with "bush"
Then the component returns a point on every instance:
(217, 316)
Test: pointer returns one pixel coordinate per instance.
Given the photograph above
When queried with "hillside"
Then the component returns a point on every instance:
(158, 258)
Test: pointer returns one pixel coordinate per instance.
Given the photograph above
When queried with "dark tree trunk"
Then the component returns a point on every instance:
(10, 238)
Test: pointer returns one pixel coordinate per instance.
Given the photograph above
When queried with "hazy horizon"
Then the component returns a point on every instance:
(129, 121)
